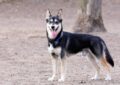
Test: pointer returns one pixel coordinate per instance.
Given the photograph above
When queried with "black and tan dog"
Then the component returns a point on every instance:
(61, 44)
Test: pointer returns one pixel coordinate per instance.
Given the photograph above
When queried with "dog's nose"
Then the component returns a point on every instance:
(53, 27)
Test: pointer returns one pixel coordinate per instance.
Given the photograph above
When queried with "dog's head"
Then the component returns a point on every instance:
(54, 24)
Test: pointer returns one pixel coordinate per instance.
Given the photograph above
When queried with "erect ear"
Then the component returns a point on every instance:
(48, 14)
(59, 13)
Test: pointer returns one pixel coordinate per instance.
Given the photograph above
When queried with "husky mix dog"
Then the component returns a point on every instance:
(61, 44)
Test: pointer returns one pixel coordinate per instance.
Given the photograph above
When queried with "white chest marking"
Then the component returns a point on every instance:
(51, 49)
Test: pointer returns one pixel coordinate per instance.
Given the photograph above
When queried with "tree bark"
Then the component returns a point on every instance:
(89, 19)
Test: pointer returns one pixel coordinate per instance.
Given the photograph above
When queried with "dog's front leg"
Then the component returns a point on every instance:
(63, 70)
(63, 67)
(54, 69)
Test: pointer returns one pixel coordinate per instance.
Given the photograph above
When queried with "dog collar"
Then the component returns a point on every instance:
(57, 41)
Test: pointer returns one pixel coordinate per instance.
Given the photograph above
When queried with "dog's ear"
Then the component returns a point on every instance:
(48, 14)
(59, 13)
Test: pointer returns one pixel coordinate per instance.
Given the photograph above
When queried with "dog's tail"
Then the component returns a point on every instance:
(109, 58)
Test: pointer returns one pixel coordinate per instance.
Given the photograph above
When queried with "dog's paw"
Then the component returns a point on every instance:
(108, 78)
(95, 77)
(50, 79)
(61, 80)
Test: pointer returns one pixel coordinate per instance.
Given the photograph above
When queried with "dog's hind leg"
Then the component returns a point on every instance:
(63, 69)
(54, 68)
(106, 67)
(95, 64)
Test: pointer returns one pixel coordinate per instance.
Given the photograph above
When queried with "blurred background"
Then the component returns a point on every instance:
(24, 59)
(29, 15)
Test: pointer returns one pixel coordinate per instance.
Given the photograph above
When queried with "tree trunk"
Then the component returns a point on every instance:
(90, 17)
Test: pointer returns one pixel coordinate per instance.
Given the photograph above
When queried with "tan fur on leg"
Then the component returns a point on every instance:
(54, 68)
(106, 67)
(63, 69)
(94, 63)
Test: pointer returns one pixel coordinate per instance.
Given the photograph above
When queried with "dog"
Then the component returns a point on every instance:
(61, 44)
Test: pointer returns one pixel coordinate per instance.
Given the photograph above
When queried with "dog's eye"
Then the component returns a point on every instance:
(50, 22)
(56, 22)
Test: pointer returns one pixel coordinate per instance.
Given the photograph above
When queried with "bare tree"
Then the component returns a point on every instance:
(89, 18)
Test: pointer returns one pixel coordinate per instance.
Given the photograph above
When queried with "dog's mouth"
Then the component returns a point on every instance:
(54, 34)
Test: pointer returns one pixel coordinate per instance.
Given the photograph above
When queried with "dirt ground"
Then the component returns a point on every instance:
(24, 59)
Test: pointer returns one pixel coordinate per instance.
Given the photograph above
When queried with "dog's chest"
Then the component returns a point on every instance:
(52, 50)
